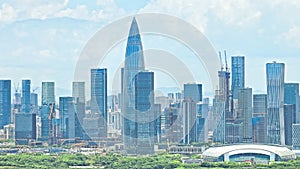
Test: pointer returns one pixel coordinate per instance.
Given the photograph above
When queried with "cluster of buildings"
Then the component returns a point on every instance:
(243, 117)
(135, 119)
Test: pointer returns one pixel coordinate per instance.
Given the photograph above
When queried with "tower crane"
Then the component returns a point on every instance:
(51, 125)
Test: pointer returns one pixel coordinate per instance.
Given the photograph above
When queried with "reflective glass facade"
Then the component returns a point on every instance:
(48, 94)
(291, 96)
(26, 96)
(193, 92)
(5, 102)
(275, 91)
(259, 120)
(99, 98)
(67, 117)
(238, 74)
(137, 91)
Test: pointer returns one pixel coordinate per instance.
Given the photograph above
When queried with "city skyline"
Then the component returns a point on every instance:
(239, 33)
(137, 119)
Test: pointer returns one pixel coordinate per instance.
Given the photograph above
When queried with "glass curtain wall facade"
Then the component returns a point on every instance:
(275, 91)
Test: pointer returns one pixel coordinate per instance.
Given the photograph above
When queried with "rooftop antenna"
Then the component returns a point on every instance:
(226, 66)
(221, 61)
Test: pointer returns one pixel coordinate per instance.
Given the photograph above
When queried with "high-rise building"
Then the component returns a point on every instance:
(259, 118)
(25, 127)
(67, 117)
(291, 96)
(5, 102)
(289, 120)
(193, 92)
(275, 91)
(137, 97)
(296, 136)
(78, 92)
(222, 115)
(223, 92)
(45, 111)
(99, 98)
(34, 102)
(172, 123)
(26, 96)
(245, 113)
(48, 107)
(144, 92)
(189, 111)
(48, 93)
(238, 74)
(202, 116)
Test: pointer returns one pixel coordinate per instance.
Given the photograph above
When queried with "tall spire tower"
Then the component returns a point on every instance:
(137, 97)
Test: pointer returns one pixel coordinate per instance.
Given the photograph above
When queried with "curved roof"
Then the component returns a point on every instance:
(281, 151)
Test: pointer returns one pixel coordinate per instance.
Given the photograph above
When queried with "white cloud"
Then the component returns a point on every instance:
(190, 10)
(236, 12)
(7, 13)
(291, 37)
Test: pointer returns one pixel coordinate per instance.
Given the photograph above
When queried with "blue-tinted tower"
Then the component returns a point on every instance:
(25, 127)
(5, 102)
(259, 120)
(144, 106)
(238, 74)
(67, 117)
(193, 92)
(137, 97)
(26, 96)
(275, 91)
(99, 98)
(291, 96)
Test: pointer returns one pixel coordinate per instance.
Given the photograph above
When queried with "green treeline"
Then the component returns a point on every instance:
(118, 161)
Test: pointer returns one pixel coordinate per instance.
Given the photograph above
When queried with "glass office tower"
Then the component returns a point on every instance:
(137, 91)
(275, 91)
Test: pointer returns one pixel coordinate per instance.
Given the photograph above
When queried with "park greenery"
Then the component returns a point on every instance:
(118, 161)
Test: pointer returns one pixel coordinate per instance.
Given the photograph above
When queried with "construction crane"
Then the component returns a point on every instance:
(51, 128)
(226, 66)
(221, 61)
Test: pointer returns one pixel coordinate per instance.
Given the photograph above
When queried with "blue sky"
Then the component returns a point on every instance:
(42, 40)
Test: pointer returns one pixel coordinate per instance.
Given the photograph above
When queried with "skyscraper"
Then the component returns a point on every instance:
(275, 91)
(5, 102)
(78, 92)
(259, 118)
(238, 74)
(48, 104)
(48, 93)
(67, 117)
(291, 96)
(245, 113)
(26, 96)
(145, 124)
(189, 112)
(25, 127)
(137, 97)
(222, 116)
(289, 120)
(99, 98)
(193, 92)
